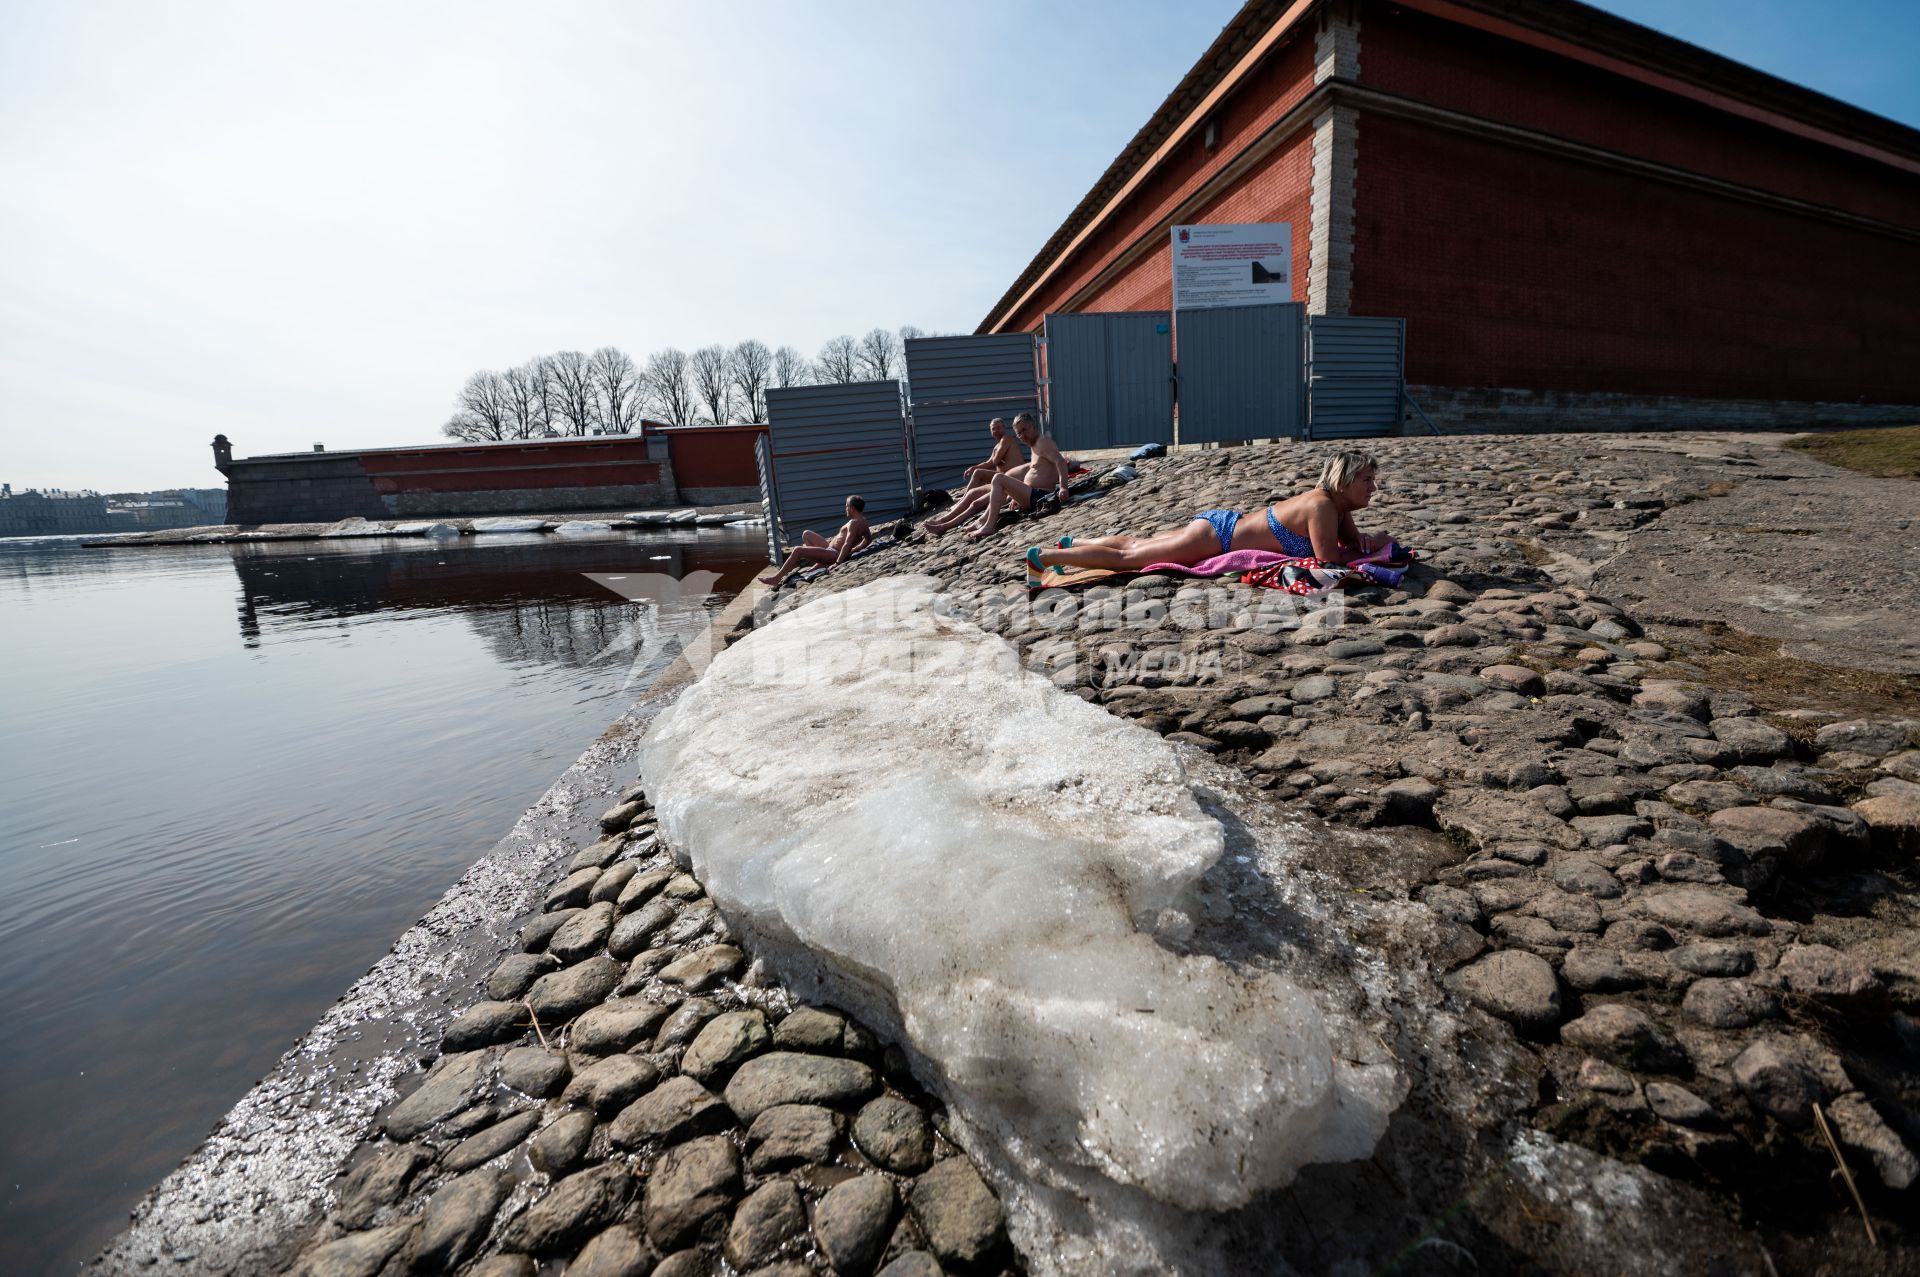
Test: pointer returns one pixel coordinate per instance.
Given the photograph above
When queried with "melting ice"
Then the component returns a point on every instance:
(898, 814)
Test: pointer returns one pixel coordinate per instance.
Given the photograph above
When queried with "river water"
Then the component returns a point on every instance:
(233, 775)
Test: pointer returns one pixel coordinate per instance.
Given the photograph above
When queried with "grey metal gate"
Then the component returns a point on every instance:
(1110, 378)
(825, 443)
(1240, 373)
(1355, 370)
(956, 386)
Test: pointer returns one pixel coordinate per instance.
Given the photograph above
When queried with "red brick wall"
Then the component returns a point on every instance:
(1516, 269)
(1274, 87)
(1449, 65)
(715, 456)
(1278, 189)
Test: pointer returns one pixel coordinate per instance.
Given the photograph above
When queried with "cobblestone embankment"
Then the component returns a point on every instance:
(1681, 864)
(674, 1107)
(1672, 894)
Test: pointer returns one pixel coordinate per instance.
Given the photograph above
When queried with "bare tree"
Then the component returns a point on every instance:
(790, 368)
(481, 411)
(616, 389)
(752, 366)
(908, 332)
(547, 385)
(878, 355)
(525, 396)
(572, 379)
(712, 381)
(838, 361)
(669, 385)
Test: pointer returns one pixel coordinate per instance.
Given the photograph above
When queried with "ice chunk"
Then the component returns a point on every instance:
(356, 527)
(894, 811)
(508, 524)
(582, 528)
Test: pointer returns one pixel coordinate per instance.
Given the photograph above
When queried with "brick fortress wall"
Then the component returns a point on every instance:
(1524, 271)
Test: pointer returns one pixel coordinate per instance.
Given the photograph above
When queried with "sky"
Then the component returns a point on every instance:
(310, 223)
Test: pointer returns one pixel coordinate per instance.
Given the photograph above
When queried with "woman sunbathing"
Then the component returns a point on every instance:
(1318, 523)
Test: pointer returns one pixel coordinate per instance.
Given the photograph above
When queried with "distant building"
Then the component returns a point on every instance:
(656, 466)
(54, 512)
(1583, 222)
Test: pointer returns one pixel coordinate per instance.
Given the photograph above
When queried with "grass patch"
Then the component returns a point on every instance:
(1755, 665)
(1891, 452)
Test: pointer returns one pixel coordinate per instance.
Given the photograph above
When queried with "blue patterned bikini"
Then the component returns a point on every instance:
(1223, 522)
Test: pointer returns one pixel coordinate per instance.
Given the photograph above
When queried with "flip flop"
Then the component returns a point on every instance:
(1064, 543)
(1037, 568)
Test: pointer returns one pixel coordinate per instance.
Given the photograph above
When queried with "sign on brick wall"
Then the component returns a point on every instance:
(1232, 265)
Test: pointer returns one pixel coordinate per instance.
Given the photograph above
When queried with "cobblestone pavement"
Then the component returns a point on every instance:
(1687, 910)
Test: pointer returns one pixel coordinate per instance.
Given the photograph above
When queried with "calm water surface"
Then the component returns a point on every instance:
(232, 777)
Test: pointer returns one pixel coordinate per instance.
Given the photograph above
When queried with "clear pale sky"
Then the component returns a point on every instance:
(310, 223)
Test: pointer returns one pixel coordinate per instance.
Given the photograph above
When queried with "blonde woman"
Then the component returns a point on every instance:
(1317, 523)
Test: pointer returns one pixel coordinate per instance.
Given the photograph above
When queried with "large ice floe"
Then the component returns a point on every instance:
(907, 823)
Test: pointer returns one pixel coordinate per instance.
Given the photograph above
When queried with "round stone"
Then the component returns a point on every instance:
(852, 1222)
(690, 1184)
(894, 1135)
(1517, 986)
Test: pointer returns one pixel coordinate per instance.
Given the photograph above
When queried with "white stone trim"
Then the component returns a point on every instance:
(1336, 144)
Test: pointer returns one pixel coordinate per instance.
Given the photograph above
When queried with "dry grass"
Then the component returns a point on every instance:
(1757, 666)
(1891, 452)
(1533, 552)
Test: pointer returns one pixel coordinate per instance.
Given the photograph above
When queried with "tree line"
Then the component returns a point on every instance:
(607, 392)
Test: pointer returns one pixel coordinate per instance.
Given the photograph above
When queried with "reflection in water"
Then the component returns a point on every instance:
(203, 843)
(506, 589)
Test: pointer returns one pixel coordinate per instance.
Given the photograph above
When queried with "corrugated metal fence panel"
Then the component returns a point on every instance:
(1354, 370)
(828, 442)
(1240, 373)
(947, 438)
(769, 498)
(1110, 378)
(958, 385)
(993, 366)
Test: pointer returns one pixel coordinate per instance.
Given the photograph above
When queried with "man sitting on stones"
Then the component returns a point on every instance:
(1016, 489)
(854, 535)
(1004, 457)
(1317, 523)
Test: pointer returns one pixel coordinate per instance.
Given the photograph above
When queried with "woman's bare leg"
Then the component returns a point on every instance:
(1188, 544)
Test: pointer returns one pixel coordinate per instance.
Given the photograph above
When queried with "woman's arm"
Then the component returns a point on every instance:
(1324, 529)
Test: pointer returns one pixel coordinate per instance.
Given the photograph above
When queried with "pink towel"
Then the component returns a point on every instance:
(1221, 564)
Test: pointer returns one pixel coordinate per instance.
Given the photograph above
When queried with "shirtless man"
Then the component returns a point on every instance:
(1004, 457)
(854, 535)
(1046, 470)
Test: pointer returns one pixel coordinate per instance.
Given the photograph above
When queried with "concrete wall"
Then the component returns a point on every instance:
(323, 488)
(1475, 410)
(735, 495)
